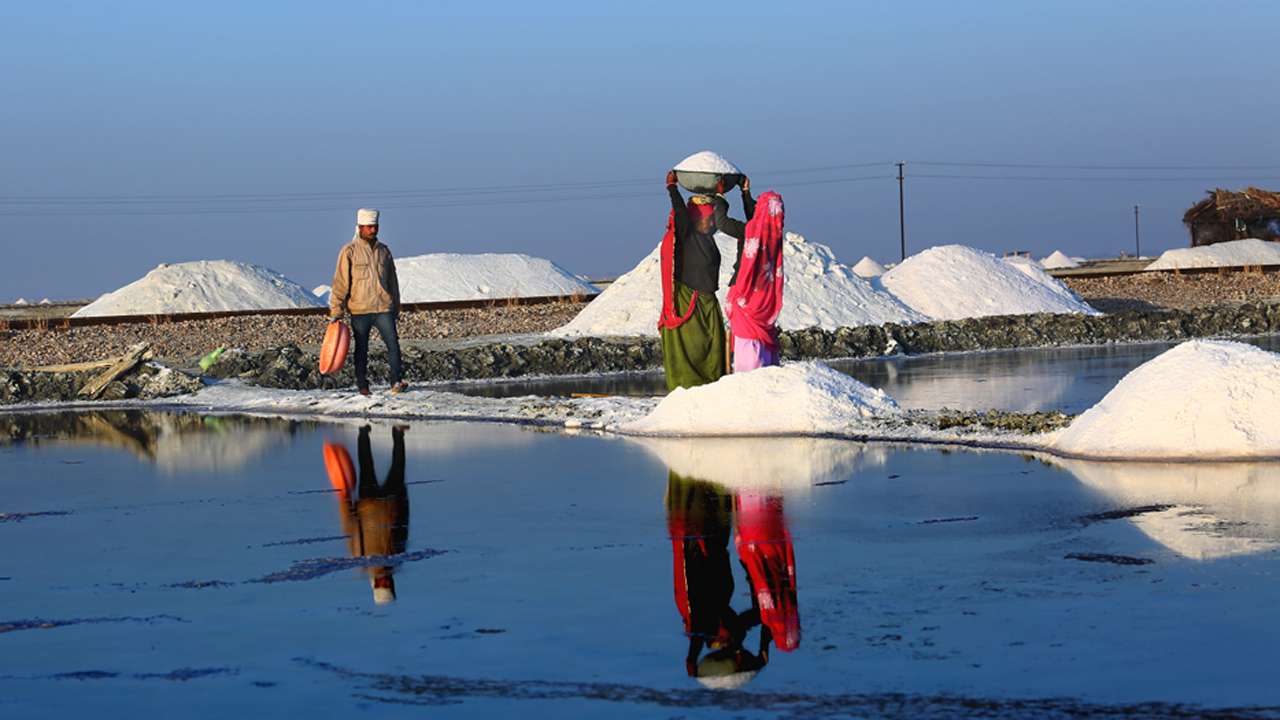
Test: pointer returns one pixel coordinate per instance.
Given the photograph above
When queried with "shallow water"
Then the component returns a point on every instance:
(206, 567)
(1068, 379)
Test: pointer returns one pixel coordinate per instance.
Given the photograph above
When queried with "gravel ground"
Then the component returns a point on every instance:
(184, 342)
(1168, 290)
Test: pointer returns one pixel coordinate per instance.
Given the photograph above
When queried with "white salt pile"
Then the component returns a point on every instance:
(707, 162)
(953, 281)
(1202, 400)
(46, 301)
(818, 292)
(322, 293)
(868, 268)
(202, 286)
(21, 301)
(1236, 253)
(1059, 261)
(796, 398)
(441, 277)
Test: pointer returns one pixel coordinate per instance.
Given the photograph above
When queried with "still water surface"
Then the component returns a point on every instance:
(232, 565)
(1067, 379)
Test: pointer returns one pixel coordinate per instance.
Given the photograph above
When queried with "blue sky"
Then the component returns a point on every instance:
(146, 132)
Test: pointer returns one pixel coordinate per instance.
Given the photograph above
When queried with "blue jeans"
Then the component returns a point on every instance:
(386, 324)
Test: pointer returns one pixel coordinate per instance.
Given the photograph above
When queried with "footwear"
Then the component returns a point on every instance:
(364, 391)
(399, 387)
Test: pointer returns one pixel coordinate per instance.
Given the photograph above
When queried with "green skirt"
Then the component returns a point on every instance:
(694, 353)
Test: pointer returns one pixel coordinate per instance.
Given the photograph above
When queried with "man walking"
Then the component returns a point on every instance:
(365, 285)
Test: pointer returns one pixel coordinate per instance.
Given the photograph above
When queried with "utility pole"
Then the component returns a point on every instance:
(902, 215)
(1137, 237)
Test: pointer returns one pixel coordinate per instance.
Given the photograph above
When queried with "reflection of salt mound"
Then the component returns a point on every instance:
(202, 286)
(439, 277)
(184, 450)
(953, 281)
(760, 463)
(1236, 253)
(1201, 400)
(818, 292)
(1059, 260)
(791, 399)
(868, 268)
(1224, 509)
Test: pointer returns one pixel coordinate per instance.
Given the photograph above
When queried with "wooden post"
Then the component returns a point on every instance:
(127, 362)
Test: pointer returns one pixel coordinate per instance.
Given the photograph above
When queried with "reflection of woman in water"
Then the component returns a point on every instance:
(699, 517)
(376, 518)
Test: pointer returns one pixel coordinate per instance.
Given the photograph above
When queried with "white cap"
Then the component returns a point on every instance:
(382, 595)
(366, 216)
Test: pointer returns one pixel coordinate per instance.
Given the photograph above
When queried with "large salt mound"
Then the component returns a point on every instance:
(440, 277)
(951, 282)
(818, 292)
(202, 286)
(792, 399)
(1059, 261)
(1236, 253)
(1201, 400)
(868, 268)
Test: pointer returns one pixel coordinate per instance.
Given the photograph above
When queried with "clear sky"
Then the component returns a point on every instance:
(136, 133)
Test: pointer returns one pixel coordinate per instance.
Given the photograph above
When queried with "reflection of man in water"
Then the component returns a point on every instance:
(376, 518)
(700, 520)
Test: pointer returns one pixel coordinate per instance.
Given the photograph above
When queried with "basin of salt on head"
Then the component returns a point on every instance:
(702, 171)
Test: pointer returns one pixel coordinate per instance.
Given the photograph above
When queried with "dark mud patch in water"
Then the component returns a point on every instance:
(178, 675)
(319, 567)
(9, 626)
(1108, 558)
(436, 690)
(304, 541)
(1123, 513)
(200, 584)
(20, 516)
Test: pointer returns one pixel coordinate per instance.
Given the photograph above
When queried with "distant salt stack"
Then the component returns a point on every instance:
(1236, 253)
(202, 286)
(868, 268)
(21, 301)
(440, 277)
(1059, 261)
(951, 282)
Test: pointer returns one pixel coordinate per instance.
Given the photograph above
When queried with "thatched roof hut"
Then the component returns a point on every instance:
(1226, 215)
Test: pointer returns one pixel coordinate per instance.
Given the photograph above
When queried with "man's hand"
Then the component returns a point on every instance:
(671, 178)
(746, 184)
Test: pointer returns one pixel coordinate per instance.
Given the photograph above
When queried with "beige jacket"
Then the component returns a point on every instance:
(365, 280)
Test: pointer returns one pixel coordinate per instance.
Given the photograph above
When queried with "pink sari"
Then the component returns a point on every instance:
(755, 300)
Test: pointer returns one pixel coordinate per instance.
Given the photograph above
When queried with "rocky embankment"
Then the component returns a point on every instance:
(290, 367)
(145, 382)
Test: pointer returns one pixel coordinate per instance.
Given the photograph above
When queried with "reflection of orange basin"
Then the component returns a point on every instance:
(333, 351)
(337, 463)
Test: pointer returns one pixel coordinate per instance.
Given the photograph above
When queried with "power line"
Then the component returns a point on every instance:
(1099, 167)
(1108, 178)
